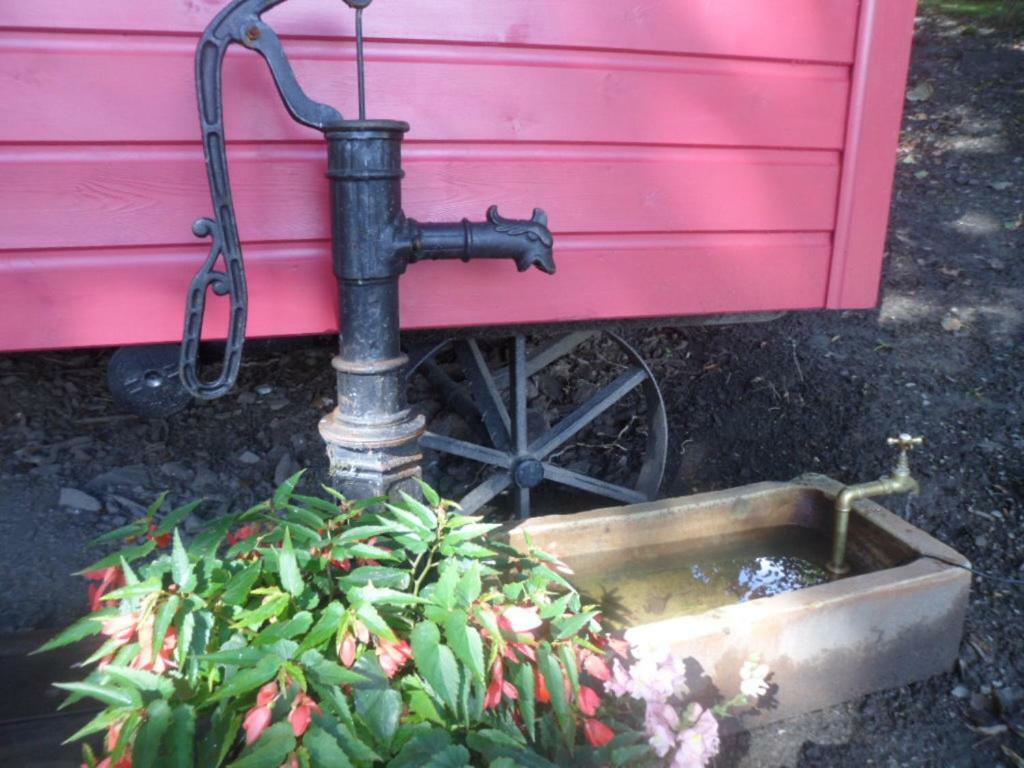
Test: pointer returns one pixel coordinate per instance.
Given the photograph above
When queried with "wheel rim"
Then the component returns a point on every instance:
(494, 405)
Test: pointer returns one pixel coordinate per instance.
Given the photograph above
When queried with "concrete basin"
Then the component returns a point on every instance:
(897, 619)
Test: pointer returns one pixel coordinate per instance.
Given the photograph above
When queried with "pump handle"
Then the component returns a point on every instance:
(240, 22)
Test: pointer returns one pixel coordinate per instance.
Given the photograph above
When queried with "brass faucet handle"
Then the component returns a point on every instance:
(905, 442)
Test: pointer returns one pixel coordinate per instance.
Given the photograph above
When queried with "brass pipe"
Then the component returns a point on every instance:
(900, 481)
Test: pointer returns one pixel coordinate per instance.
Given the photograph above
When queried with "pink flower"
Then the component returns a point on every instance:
(393, 655)
(121, 627)
(519, 619)
(597, 733)
(302, 713)
(590, 701)
(541, 687)
(698, 743)
(159, 662)
(752, 679)
(620, 683)
(660, 724)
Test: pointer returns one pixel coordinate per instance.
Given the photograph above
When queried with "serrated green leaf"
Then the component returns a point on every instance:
(432, 749)
(128, 554)
(140, 679)
(268, 610)
(364, 551)
(364, 532)
(469, 532)
(146, 749)
(180, 743)
(246, 680)
(85, 627)
(412, 522)
(570, 626)
(284, 492)
(177, 516)
(324, 749)
(627, 756)
(565, 653)
(237, 589)
(328, 673)
(134, 591)
(164, 617)
(432, 496)
(527, 685)
(215, 745)
(435, 662)
(465, 642)
(555, 608)
(297, 625)
(291, 577)
(375, 595)
(342, 731)
(469, 549)
(468, 589)
(326, 626)
(181, 567)
(380, 575)
(421, 705)
(422, 511)
(379, 706)
(444, 588)
(108, 694)
(552, 672)
(136, 528)
(270, 749)
(101, 722)
(371, 617)
(245, 656)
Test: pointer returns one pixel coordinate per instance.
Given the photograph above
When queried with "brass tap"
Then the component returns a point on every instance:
(900, 481)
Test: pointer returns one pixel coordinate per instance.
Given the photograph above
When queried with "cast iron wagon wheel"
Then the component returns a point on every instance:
(483, 415)
(145, 380)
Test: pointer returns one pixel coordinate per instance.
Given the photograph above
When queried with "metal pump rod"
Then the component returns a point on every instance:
(372, 435)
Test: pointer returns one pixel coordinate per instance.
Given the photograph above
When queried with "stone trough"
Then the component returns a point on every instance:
(897, 619)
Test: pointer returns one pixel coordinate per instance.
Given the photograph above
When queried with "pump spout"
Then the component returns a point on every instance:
(528, 242)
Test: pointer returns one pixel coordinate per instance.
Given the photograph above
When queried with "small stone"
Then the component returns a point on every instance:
(134, 474)
(961, 692)
(264, 389)
(248, 457)
(177, 470)
(951, 323)
(285, 468)
(247, 398)
(76, 499)
(981, 541)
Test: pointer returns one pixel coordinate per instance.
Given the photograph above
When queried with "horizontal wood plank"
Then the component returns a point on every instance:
(814, 30)
(86, 297)
(70, 87)
(116, 196)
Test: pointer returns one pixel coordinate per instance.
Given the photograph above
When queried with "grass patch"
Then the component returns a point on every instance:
(1006, 14)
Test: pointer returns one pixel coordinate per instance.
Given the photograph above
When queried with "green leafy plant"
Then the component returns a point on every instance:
(318, 631)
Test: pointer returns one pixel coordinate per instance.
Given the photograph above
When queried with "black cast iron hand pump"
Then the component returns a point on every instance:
(372, 435)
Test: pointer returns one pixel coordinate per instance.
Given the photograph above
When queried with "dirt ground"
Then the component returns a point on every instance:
(942, 357)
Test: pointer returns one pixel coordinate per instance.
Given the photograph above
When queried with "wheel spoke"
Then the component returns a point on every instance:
(518, 387)
(466, 450)
(521, 499)
(592, 484)
(545, 356)
(484, 492)
(481, 383)
(594, 406)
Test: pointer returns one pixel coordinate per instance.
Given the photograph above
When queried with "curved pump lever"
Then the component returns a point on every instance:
(240, 23)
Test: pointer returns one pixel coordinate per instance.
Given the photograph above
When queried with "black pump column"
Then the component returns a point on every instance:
(371, 436)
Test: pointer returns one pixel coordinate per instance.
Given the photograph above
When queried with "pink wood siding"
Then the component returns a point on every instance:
(692, 155)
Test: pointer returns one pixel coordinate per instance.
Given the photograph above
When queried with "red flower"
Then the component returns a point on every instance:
(121, 627)
(518, 619)
(161, 661)
(109, 578)
(393, 655)
(347, 650)
(597, 733)
(302, 713)
(246, 531)
(595, 665)
(497, 687)
(163, 540)
(257, 719)
(124, 762)
(541, 686)
(590, 701)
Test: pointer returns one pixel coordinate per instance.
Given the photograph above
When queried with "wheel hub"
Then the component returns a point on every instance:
(527, 472)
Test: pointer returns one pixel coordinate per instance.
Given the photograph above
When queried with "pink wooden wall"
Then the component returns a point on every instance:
(695, 156)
